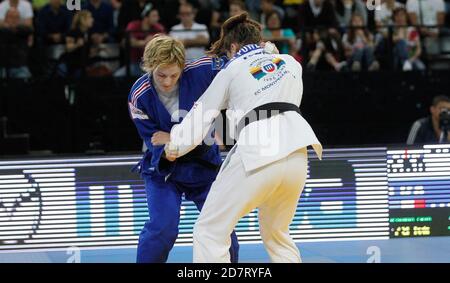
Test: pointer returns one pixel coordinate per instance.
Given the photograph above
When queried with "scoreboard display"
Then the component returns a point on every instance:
(419, 191)
(352, 194)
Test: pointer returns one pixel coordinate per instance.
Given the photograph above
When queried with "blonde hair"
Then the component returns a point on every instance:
(163, 50)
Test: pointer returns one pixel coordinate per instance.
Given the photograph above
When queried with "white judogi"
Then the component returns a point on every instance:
(266, 168)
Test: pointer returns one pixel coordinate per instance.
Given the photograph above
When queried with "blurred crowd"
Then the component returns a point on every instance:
(107, 37)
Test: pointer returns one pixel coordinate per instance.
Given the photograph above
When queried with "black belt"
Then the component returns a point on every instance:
(195, 156)
(198, 151)
(265, 112)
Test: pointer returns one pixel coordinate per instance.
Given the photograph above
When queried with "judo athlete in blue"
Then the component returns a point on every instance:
(155, 102)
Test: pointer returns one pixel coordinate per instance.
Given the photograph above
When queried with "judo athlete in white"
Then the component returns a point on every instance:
(267, 167)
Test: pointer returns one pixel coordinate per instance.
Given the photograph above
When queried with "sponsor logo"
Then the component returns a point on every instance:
(267, 67)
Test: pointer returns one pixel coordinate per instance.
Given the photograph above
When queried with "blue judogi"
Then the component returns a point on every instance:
(166, 182)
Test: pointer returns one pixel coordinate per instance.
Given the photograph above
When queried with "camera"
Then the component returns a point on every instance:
(444, 119)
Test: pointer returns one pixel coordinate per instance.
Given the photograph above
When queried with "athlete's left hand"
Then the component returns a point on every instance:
(171, 152)
(269, 47)
(160, 138)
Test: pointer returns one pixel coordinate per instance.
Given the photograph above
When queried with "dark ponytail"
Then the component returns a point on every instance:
(239, 29)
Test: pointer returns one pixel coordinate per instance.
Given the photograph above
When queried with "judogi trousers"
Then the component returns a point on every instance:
(164, 204)
(274, 189)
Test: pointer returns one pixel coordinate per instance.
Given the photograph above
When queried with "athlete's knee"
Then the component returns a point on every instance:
(265, 235)
(199, 231)
(161, 231)
(271, 234)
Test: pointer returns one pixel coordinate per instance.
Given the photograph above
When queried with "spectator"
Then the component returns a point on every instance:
(323, 43)
(236, 7)
(291, 8)
(204, 9)
(167, 10)
(130, 10)
(54, 22)
(103, 28)
(116, 5)
(428, 130)
(23, 7)
(317, 13)
(283, 38)
(78, 43)
(15, 40)
(141, 32)
(346, 8)
(222, 11)
(268, 6)
(334, 51)
(253, 7)
(383, 19)
(359, 45)
(428, 13)
(406, 39)
(327, 51)
(384, 15)
(194, 36)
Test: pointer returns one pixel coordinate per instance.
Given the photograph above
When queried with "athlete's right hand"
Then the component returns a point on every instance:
(269, 47)
(160, 138)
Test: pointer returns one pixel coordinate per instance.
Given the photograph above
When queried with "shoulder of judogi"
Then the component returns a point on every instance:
(290, 61)
(198, 65)
(139, 90)
(200, 72)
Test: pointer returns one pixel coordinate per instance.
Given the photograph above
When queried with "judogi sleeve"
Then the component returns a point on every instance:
(146, 127)
(144, 124)
(195, 126)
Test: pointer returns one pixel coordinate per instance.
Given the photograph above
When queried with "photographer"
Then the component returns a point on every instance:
(430, 129)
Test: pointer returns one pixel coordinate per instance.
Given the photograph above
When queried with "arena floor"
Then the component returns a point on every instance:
(411, 250)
